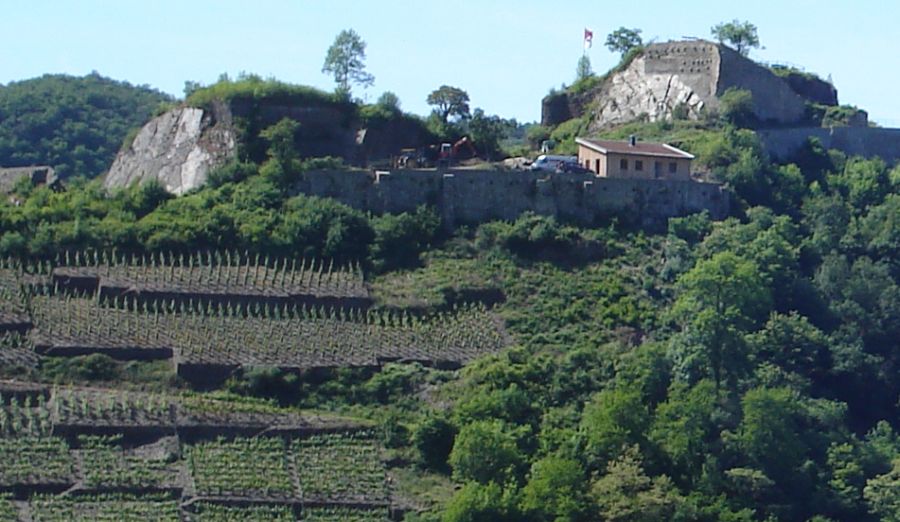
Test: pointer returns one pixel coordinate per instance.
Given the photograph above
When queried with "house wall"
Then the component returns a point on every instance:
(611, 166)
(588, 159)
(477, 196)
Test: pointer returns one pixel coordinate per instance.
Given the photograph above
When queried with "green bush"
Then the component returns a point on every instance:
(433, 440)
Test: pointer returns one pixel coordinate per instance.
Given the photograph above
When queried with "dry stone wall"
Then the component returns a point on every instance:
(476, 196)
(783, 144)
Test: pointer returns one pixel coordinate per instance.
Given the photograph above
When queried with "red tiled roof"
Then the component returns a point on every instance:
(644, 148)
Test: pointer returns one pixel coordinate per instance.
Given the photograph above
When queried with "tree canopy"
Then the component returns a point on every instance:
(345, 60)
(740, 35)
(449, 102)
(623, 40)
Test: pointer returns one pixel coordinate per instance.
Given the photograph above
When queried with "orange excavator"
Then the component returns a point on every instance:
(453, 153)
(442, 155)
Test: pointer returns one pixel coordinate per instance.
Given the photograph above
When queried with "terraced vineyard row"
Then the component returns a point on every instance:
(13, 312)
(68, 410)
(281, 336)
(321, 469)
(212, 275)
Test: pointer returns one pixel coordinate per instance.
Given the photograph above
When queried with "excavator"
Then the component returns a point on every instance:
(442, 156)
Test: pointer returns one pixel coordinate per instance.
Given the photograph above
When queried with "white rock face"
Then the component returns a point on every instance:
(178, 149)
(636, 93)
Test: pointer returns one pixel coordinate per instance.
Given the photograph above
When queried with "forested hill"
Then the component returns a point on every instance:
(74, 124)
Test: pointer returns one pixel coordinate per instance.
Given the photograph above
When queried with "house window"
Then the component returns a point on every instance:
(596, 166)
(623, 164)
(638, 165)
(673, 167)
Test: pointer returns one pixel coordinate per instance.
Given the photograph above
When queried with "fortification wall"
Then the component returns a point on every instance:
(783, 144)
(773, 99)
(476, 196)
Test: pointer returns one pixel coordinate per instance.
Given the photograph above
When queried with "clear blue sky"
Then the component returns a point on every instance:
(507, 54)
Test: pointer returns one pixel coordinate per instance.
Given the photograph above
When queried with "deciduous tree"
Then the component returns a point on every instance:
(345, 61)
(623, 40)
(740, 35)
(449, 101)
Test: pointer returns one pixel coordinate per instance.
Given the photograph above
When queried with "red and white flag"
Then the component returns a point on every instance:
(588, 38)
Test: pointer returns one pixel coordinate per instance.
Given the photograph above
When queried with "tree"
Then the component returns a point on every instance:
(433, 440)
(720, 300)
(345, 61)
(389, 101)
(583, 71)
(883, 494)
(475, 502)
(623, 40)
(741, 35)
(770, 435)
(484, 451)
(449, 101)
(613, 420)
(555, 490)
(487, 132)
(683, 427)
(626, 494)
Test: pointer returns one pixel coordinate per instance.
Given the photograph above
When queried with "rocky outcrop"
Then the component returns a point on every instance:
(178, 149)
(685, 80)
(181, 147)
(810, 87)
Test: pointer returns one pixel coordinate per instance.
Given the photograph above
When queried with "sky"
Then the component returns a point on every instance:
(507, 54)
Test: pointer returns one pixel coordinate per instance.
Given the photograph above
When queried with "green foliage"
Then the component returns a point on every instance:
(74, 124)
(623, 40)
(345, 60)
(583, 70)
(565, 133)
(529, 235)
(400, 238)
(433, 440)
(684, 426)
(449, 102)
(626, 494)
(737, 107)
(883, 494)
(484, 452)
(254, 88)
(389, 101)
(555, 490)
(476, 502)
(487, 132)
(95, 367)
(741, 35)
(614, 420)
(839, 116)
(720, 299)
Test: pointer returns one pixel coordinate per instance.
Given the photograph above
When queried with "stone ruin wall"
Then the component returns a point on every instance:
(691, 75)
(476, 196)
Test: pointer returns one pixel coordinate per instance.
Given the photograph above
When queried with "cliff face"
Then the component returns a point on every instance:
(685, 78)
(178, 149)
(181, 147)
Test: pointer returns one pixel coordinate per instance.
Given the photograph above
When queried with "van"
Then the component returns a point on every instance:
(551, 162)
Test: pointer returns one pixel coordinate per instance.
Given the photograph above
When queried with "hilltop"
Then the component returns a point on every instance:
(75, 125)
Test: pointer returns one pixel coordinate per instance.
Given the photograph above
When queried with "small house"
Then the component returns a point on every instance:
(634, 159)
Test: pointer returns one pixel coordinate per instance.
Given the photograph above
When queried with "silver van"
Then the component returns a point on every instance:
(551, 162)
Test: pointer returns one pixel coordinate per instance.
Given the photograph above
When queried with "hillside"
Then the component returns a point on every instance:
(74, 124)
(530, 370)
(246, 350)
